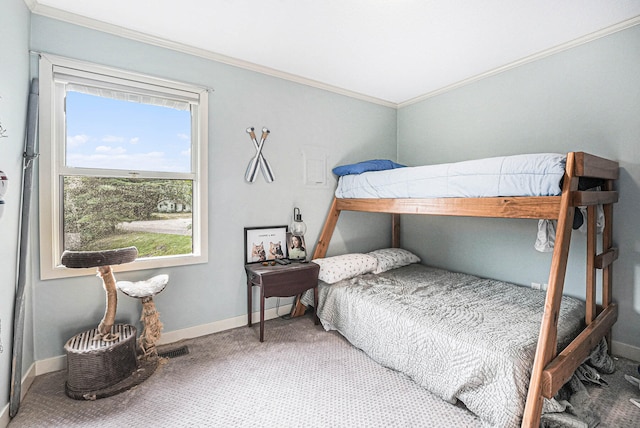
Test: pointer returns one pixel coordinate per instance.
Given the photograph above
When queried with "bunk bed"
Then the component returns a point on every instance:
(550, 367)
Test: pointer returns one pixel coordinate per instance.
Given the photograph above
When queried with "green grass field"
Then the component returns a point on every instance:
(169, 216)
(148, 244)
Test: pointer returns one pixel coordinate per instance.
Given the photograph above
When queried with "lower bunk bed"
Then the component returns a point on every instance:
(497, 347)
(442, 329)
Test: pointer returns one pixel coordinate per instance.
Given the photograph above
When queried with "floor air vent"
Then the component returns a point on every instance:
(173, 353)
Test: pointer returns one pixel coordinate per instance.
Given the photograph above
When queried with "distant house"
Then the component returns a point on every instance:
(169, 206)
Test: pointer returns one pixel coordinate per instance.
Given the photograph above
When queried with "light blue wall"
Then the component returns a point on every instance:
(14, 90)
(346, 129)
(583, 99)
(586, 98)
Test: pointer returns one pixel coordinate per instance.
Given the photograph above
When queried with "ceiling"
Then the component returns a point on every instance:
(388, 51)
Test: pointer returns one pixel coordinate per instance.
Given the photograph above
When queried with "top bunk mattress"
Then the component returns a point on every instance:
(519, 175)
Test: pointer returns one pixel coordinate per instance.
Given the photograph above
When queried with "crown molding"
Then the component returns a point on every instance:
(94, 24)
(526, 60)
(31, 4)
(116, 30)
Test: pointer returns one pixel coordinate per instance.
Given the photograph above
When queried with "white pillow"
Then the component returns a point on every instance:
(391, 258)
(337, 268)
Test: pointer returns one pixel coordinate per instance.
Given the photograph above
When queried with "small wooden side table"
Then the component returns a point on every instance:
(281, 281)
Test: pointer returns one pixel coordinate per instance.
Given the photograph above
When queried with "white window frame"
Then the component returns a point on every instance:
(52, 138)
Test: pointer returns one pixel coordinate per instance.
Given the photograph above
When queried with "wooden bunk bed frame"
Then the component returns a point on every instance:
(550, 371)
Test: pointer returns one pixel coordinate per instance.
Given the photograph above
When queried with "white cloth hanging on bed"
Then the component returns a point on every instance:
(546, 237)
(599, 219)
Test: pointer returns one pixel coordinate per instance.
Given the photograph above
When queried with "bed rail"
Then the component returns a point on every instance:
(560, 370)
(534, 207)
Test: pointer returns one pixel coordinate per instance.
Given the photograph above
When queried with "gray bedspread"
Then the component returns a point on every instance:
(460, 336)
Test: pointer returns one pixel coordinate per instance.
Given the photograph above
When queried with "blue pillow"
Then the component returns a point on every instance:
(370, 165)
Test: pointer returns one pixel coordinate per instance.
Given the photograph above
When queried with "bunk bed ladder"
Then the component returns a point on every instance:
(549, 371)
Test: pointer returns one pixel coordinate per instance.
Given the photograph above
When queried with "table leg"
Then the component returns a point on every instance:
(249, 291)
(262, 313)
(316, 320)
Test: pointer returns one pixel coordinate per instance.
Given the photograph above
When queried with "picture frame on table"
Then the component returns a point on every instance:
(265, 243)
(296, 247)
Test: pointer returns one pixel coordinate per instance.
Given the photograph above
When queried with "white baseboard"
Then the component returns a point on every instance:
(4, 417)
(626, 351)
(228, 324)
(60, 362)
(52, 364)
(26, 382)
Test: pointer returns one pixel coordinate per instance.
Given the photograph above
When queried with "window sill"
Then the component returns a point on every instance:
(59, 272)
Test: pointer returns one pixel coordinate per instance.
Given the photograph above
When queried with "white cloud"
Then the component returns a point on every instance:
(186, 152)
(112, 139)
(157, 155)
(116, 158)
(183, 136)
(134, 140)
(111, 150)
(77, 140)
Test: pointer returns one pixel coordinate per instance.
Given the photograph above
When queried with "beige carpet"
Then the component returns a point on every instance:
(300, 376)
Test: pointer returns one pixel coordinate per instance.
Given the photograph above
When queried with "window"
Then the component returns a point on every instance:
(123, 161)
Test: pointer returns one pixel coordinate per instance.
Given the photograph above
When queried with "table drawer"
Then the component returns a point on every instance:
(289, 284)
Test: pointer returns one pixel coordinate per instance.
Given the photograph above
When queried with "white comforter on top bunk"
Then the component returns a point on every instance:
(460, 336)
(518, 175)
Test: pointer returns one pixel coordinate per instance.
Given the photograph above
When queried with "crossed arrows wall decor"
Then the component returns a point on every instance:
(252, 169)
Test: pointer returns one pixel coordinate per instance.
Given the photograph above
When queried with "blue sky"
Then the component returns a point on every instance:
(113, 134)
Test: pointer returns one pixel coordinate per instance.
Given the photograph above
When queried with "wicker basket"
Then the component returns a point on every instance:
(94, 365)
